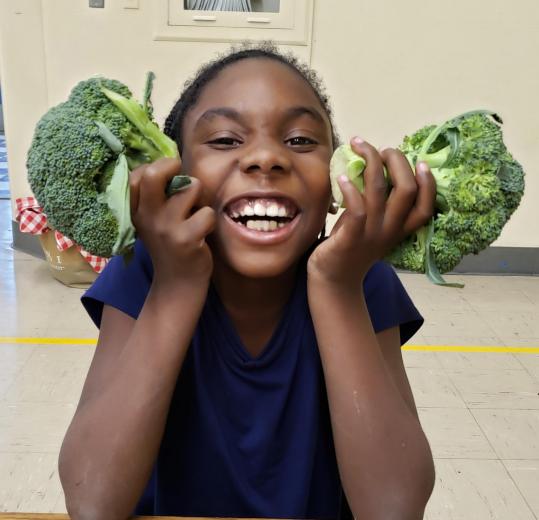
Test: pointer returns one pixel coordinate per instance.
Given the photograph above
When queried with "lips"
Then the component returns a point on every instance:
(262, 213)
(262, 217)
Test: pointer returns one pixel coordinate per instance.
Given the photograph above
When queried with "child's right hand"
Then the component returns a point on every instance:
(172, 230)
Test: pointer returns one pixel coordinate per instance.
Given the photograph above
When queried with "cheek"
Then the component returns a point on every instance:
(317, 182)
(210, 169)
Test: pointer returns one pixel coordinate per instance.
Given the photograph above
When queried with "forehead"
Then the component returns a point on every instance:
(257, 84)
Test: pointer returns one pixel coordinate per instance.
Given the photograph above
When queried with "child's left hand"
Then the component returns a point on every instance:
(373, 223)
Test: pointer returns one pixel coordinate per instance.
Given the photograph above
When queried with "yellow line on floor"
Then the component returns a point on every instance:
(47, 341)
(418, 348)
(472, 348)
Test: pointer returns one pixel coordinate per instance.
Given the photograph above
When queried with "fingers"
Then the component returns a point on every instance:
(352, 222)
(410, 204)
(134, 189)
(148, 183)
(423, 208)
(200, 224)
(375, 182)
(180, 205)
(147, 191)
(403, 192)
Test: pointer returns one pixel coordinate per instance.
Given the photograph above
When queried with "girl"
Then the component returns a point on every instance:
(245, 367)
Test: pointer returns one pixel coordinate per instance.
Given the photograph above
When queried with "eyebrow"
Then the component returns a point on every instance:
(212, 113)
(233, 114)
(295, 112)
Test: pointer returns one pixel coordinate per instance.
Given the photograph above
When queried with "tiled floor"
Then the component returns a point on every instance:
(480, 409)
(4, 180)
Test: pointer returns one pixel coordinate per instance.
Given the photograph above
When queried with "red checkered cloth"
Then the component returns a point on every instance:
(98, 263)
(30, 216)
(32, 220)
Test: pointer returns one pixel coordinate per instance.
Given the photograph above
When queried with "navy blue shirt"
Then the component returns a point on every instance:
(248, 437)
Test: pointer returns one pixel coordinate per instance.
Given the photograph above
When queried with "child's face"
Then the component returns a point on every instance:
(260, 141)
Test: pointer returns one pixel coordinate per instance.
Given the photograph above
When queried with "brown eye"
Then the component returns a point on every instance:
(225, 142)
(301, 141)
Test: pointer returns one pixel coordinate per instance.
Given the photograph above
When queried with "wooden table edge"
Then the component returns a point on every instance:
(58, 516)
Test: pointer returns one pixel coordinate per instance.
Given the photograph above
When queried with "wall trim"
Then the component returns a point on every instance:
(26, 242)
(502, 260)
(522, 261)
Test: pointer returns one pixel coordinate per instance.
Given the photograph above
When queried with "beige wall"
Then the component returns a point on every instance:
(390, 68)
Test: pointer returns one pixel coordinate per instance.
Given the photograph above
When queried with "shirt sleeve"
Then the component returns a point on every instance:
(123, 285)
(388, 302)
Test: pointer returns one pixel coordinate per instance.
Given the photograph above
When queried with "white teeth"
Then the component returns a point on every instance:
(264, 225)
(260, 210)
(272, 210)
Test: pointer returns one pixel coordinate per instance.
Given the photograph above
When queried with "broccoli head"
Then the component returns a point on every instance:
(478, 186)
(78, 162)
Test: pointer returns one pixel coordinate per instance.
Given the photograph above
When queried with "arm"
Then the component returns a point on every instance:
(384, 459)
(111, 445)
(383, 456)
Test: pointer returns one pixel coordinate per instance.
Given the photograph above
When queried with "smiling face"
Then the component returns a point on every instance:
(260, 141)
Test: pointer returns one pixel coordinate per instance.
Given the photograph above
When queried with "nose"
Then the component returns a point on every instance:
(265, 156)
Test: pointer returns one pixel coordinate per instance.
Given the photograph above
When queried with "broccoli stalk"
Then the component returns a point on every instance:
(478, 187)
(150, 141)
(137, 115)
(116, 197)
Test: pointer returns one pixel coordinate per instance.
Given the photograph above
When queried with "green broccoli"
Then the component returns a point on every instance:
(80, 158)
(478, 187)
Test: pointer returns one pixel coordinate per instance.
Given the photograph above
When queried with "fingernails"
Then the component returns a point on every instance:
(358, 140)
(344, 178)
(423, 167)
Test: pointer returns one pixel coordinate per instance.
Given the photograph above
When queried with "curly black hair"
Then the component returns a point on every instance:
(194, 86)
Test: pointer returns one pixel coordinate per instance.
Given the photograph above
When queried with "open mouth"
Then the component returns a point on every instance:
(262, 214)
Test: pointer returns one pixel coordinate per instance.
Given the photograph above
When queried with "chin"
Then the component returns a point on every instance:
(261, 265)
(258, 263)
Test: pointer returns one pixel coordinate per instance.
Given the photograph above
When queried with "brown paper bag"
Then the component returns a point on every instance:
(68, 266)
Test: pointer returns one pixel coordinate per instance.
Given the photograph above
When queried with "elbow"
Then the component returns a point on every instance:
(89, 508)
(412, 496)
(77, 501)
(417, 496)
(82, 498)
(412, 491)
(402, 498)
(78, 511)
(84, 505)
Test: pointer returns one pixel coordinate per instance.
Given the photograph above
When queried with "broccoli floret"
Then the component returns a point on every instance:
(411, 253)
(469, 190)
(446, 252)
(484, 227)
(478, 186)
(78, 162)
(511, 178)
(412, 144)
(65, 156)
(91, 96)
(88, 96)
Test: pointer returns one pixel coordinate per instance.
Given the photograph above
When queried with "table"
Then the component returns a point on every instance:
(56, 516)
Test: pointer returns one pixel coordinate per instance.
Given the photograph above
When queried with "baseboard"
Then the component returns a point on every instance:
(26, 242)
(494, 260)
(502, 260)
